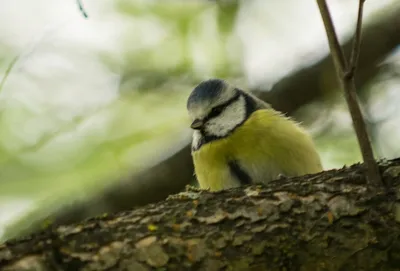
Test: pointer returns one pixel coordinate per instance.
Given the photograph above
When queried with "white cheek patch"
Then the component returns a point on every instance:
(232, 116)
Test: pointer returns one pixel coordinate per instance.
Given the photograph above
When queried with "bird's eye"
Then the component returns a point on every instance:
(216, 111)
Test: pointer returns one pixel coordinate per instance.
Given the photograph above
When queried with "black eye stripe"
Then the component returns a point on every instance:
(215, 111)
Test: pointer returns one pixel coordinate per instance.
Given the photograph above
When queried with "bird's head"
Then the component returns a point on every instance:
(216, 108)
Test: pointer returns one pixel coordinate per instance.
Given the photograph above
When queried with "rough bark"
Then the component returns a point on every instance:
(289, 94)
(327, 221)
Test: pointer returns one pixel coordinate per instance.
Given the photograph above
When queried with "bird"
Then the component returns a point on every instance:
(238, 139)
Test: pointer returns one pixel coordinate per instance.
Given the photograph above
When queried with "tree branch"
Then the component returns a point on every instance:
(346, 74)
(325, 221)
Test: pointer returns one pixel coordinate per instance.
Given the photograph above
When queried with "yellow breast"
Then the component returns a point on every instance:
(266, 145)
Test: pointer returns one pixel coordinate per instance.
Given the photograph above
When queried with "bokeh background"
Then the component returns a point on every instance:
(92, 110)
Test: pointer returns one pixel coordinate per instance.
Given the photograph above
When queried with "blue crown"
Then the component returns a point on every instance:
(206, 91)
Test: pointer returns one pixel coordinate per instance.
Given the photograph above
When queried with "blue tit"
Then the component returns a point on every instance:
(239, 139)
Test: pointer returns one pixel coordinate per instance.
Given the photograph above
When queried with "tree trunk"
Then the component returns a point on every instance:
(327, 221)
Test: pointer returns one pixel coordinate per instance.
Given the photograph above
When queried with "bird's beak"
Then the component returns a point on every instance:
(197, 124)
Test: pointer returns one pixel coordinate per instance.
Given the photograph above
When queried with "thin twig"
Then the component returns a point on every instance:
(334, 45)
(82, 9)
(355, 52)
(346, 78)
(6, 74)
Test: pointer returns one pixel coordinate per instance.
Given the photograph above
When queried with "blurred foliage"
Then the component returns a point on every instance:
(189, 40)
(90, 163)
